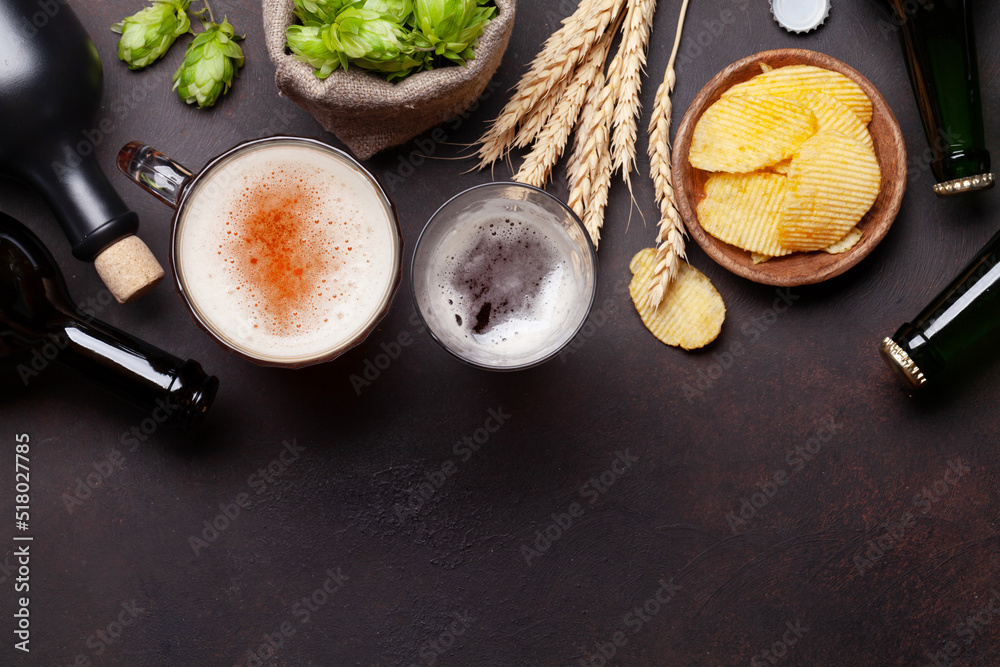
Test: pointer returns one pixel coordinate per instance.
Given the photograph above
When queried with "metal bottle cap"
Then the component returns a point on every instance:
(900, 361)
(800, 15)
(962, 185)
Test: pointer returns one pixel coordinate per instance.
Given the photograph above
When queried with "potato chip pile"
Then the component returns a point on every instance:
(793, 164)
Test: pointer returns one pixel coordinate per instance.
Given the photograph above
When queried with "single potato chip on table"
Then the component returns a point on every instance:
(794, 79)
(743, 210)
(832, 183)
(692, 311)
(745, 133)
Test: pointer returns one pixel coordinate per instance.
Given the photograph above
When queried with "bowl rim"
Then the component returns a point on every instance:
(776, 271)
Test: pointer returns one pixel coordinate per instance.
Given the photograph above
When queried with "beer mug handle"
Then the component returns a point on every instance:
(155, 172)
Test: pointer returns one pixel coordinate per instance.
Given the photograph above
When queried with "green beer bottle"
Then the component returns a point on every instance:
(956, 329)
(940, 47)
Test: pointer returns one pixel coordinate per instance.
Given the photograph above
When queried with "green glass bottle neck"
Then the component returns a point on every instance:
(940, 47)
(958, 326)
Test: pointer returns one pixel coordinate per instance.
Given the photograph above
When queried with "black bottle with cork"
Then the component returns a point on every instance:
(51, 81)
(36, 313)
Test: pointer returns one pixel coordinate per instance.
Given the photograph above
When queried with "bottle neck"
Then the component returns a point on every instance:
(89, 210)
(955, 329)
(940, 47)
(167, 388)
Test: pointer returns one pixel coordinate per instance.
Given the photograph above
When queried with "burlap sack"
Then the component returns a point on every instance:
(370, 114)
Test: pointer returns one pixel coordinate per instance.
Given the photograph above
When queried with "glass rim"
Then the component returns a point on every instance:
(591, 254)
(329, 353)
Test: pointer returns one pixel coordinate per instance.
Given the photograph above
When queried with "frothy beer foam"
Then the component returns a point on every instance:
(506, 289)
(286, 251)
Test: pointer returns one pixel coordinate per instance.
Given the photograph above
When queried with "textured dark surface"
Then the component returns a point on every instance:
(411, 574)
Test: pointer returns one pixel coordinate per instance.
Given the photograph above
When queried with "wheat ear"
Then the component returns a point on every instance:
(670, 239)
(552, 69)
(534, 123)
(551, 142)
(592, 175)
(593, 219)
(635, 40)
(497, 140)
(579, 183)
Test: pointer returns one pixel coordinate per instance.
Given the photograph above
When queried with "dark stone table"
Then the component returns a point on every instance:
(778, 498)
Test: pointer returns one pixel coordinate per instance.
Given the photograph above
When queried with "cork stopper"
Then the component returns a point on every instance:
(129, 269)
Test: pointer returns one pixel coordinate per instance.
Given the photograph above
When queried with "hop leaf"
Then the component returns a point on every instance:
(147, 35)
(210, 64)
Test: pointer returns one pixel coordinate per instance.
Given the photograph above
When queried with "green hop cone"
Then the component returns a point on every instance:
(451, 28)
(370, 41)
(318, 12)
(397, 11)
(147, 35)
(307, 45)
(394, 37)
(361, 33)
(398, 68)
(210, 64)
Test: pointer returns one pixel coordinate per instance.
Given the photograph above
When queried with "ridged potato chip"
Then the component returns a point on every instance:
(692, 311)
(782, 167)
(743, 210)
(834, 116)
(850, 240)
(798, 78)
(833, 182)
(744, 133)
(843, 245)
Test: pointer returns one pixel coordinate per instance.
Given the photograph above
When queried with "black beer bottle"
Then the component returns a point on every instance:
(39, 324)
(50, 94)
(940, 47)
(50, 98)
(958, 328)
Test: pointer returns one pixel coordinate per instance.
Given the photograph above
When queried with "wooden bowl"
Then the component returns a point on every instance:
(800, 268)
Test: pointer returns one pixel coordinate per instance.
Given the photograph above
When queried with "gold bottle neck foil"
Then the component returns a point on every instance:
(900, 361)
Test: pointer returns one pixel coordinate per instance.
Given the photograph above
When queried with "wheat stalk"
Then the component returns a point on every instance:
(551, 142)
(670, 238)
(635, 39)
(556, 62)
